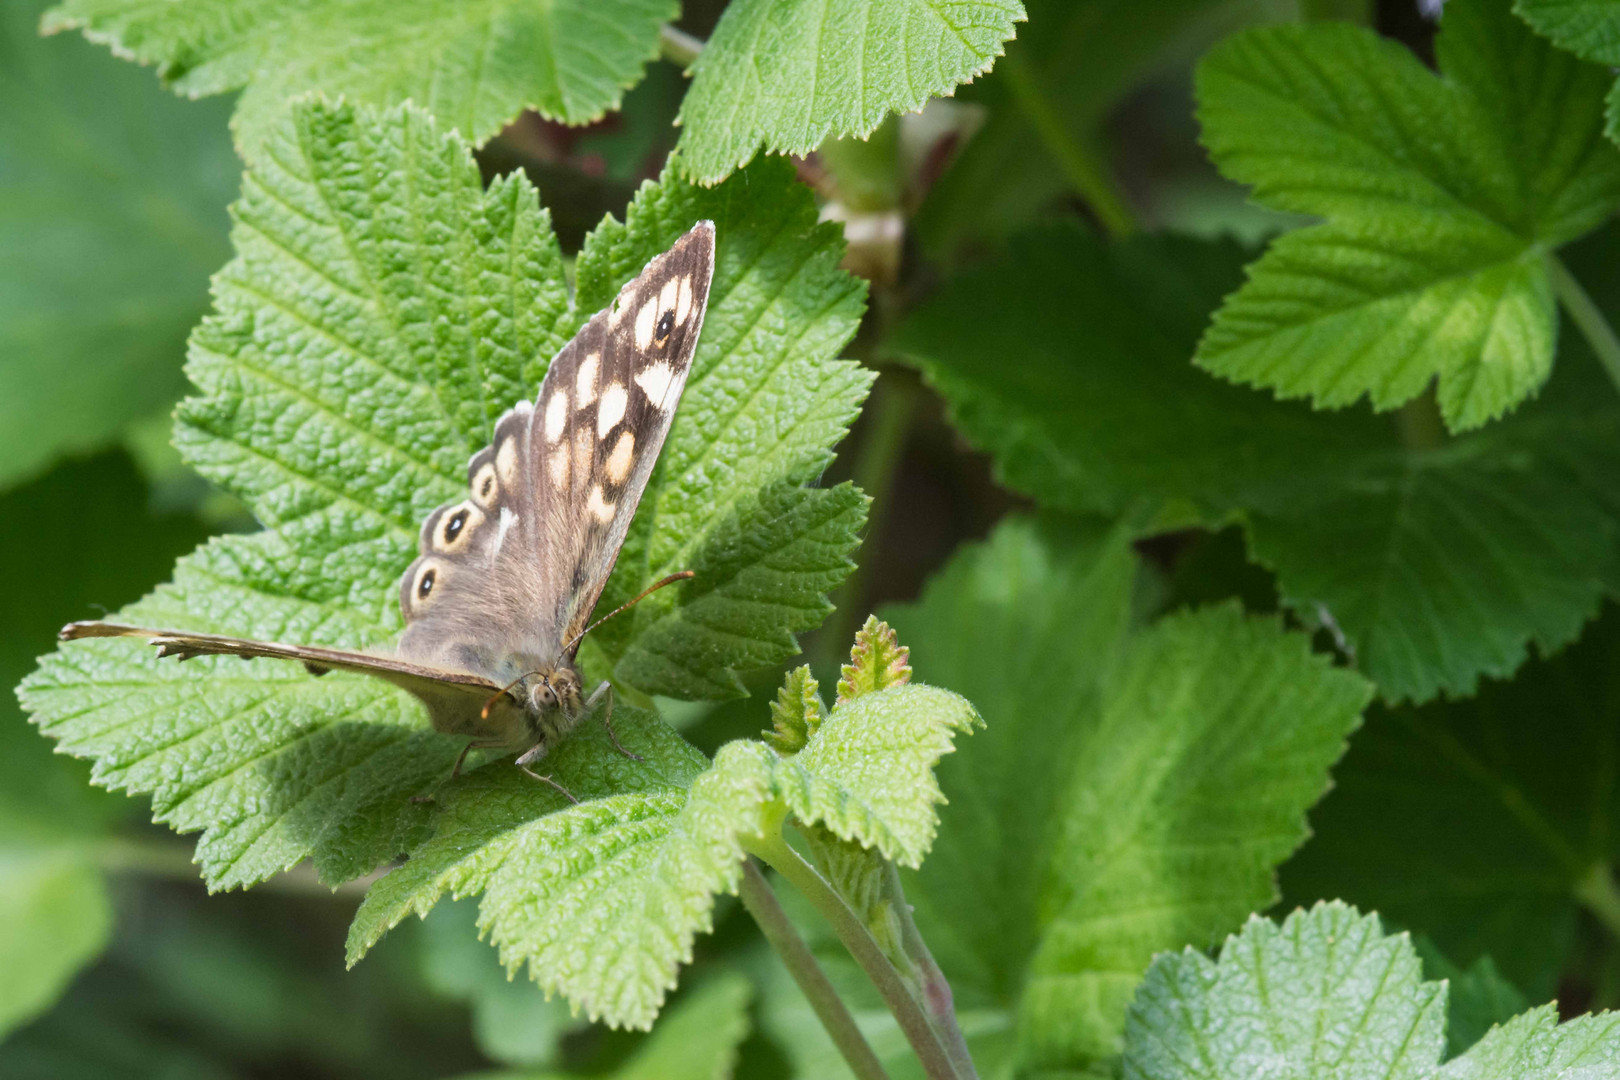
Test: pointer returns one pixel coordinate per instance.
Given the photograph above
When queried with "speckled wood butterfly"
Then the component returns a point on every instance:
(502, 592)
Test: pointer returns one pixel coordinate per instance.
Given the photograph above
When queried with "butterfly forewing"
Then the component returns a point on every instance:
(510, 574)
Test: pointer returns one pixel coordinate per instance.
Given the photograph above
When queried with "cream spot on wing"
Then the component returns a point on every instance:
(508, 519)
(683, 301)
(668, 295)
(558, 467)
(618, 463)
(585, 381)
(556, 417)
(611, 409)
(484, 486)
(506, 461)
(601, 509)
(655, 380)
(646, 323)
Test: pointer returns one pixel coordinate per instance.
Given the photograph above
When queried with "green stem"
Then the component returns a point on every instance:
(914, 1023)
(677, 46)
(1085, 174)
(888, 418)
(773, 922)
(1597, 890)
(936, 990)
(1587, 316)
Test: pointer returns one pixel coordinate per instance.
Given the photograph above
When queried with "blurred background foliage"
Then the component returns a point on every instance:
(113, 196)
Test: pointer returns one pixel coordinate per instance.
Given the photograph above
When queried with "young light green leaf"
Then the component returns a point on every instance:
(55, 917)
(476, 66)
(1440, 196)
(1438, 564)
(1505, 811)
(603, 899)
(384, 308)
(107, 256)
(877, 662)
(782, 76)
(1327, 994)
(1134, 788)
(796, 713)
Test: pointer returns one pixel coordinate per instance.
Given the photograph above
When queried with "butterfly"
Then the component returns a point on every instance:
(503, 589)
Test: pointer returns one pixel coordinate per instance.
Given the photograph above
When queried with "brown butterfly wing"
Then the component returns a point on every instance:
(509, 576)
(455, 699)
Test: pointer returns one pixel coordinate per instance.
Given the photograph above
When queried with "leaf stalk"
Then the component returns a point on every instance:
(913, 1017)
(1587, 317)
(829, 1008)
(677, 46)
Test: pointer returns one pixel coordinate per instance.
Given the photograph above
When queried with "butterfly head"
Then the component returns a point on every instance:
(548, 690)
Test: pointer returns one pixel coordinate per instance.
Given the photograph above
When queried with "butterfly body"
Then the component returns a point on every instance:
(506, 577)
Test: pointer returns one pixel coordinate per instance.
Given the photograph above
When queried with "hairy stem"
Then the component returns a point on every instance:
(773, 922)
(1079, 164)
(936, 991)
(677, 46)
(1587, 316)
(925, 1040)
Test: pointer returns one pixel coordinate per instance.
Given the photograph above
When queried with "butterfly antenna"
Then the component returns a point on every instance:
(648, 591)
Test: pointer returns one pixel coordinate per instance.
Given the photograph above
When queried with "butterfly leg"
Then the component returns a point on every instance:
(535, 753)
(461, 759)
(606, 690)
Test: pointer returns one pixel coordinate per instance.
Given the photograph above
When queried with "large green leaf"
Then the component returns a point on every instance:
(782, 76)
(1132, 792)
(1588, 28)
(1328, 995)
(1437, 563)
(1504, 809)
(383, 309)
(1440, 197)
(112, 216)
(475, 65)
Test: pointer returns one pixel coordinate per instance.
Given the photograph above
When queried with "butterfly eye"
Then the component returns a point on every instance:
(425, 585)
(453, 527)
(666, 323)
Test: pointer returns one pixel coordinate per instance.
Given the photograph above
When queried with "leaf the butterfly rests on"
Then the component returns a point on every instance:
(507, 577)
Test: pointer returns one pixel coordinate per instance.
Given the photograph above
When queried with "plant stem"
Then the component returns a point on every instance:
(936, 991)
(1598, 892)
(925, 1041)
(677, 46)
(1084, 172)
(1587, 316)
(773, 922)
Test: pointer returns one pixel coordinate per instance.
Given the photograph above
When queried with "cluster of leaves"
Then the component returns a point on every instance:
(1150, 748)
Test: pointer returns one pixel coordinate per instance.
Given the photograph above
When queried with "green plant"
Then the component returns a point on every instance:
(1327, 514)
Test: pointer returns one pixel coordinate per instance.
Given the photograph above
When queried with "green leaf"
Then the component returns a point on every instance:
(1132, 792)
(1505, 810)
(383, 309)
(55, 917)
(512, 1022)
(1437, 563)
(474, 65)
(603, 899)
(1440, 196)
(112, 202)
(783, 76)
(1328, 994)
(698, 1040)
(1588, 28)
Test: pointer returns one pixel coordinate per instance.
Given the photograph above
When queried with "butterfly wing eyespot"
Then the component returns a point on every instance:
(665, 327)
